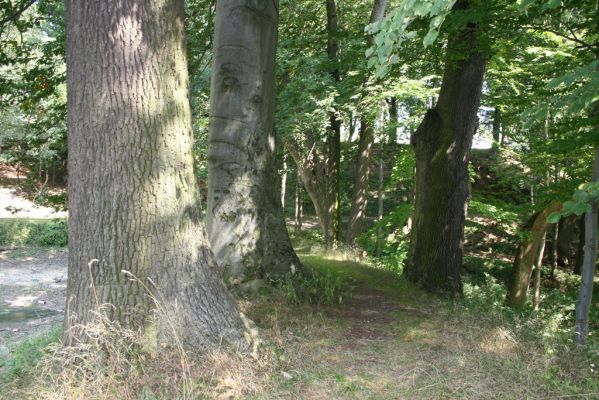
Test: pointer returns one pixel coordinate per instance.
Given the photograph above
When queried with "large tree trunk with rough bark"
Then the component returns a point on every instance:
(442, 145)
(583, 305)
(528, 251)
(363, 157)
(133, 201)
(245, 220)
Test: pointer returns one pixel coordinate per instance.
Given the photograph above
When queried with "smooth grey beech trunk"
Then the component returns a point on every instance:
(583, 305)
(133, 201)
(245, 221)
(442, 145)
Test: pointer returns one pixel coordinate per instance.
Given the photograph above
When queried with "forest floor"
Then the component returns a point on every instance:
(386, 340)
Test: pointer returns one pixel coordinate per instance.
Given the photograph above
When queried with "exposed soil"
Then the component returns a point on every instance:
(32, 292)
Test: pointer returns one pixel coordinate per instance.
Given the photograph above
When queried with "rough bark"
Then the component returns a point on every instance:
(132, 193)
(245, 221)
(442, 147)
(363, 157)
(583, 305)
(525, 258)
(360, 194)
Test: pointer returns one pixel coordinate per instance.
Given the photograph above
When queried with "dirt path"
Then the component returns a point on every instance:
(32, 292)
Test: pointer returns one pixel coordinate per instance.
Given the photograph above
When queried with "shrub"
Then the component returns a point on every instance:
(33, 232)
(314, 288)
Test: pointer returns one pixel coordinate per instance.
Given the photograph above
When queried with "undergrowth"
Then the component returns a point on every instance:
(33, 232)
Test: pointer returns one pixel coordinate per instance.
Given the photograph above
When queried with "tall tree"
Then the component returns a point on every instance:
(334, 136)
(583, 305)
(363, 157)
(133, 204)
(442, 145)
(245, 219)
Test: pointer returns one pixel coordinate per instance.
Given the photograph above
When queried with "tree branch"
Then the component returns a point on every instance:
(18, 12)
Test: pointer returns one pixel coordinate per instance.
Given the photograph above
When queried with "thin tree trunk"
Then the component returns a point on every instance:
(245, 221)
(442, 146)
(583, 305)
(379, 233)
(537, 281)
(298, 205)
(554, 243)
(496, 127)
(580, 248)
(393, 116)
(284, 182)
(528, 251)
(132, 193)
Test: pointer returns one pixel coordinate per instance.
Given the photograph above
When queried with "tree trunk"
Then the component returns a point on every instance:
(442, 146)
(583, 305)
(554, 240)
(132, 193)
(393, 117)
(379, 233)
(528, 251)
(313, 169)
(496, 127)
(284, 183)
(536, 299)
(580, 248)
(567, 240)
(299, 209)
(245, 221)
(360, 194)
(334, 135)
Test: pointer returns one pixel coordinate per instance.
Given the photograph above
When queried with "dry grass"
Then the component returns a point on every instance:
(384, 343)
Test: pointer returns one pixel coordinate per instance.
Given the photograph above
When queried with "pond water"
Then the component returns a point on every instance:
(22, 314)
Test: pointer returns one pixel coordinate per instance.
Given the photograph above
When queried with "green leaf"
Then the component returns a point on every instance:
(554, 217)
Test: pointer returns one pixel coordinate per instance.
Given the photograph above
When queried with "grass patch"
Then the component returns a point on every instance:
(33, 232)
(20, 364)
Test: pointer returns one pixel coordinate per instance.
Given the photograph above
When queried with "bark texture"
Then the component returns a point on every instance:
(133, 202)
(360, 195)
(528, 251)
(245, 220)
(583, 305)
(442, 145)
